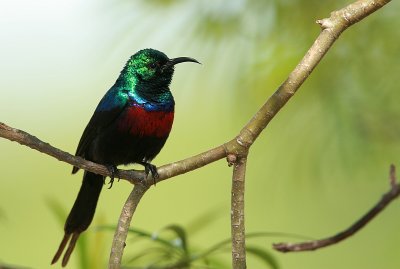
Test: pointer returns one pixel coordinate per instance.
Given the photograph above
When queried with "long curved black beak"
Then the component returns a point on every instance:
(178, 60)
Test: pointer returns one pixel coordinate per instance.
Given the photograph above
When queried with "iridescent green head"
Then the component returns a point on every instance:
(151, 69)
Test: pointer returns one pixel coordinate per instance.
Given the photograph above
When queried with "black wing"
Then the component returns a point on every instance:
(105, 114)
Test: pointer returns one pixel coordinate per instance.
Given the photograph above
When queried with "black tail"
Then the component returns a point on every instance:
(81, 214)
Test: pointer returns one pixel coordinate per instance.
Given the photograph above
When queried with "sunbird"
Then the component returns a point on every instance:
(130, 125)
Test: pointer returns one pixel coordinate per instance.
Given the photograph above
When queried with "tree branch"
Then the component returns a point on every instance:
(331, 29)
(386, 199)
(33, 142)
(124, 222)
(133, 176)
(237, 213)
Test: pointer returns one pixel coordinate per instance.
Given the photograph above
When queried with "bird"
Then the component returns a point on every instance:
(130, 125)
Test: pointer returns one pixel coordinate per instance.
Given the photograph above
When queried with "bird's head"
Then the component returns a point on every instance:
(153, 68)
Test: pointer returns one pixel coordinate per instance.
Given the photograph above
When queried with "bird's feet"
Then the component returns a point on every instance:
(148, 167)
(113, 171)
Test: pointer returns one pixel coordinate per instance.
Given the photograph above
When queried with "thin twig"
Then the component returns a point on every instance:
(386, 199)
(392, 176)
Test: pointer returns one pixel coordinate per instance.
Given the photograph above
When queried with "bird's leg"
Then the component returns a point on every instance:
(113, 171)
(148, 167)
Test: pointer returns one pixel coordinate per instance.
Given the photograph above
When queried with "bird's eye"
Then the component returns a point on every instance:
(153, 65)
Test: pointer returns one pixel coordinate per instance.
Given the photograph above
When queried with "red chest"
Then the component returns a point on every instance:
(139, 122)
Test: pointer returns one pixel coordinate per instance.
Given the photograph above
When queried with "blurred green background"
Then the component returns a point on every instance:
(320, 164)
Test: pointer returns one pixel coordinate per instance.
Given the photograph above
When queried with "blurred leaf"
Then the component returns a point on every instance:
(168, 253)
(140, 233)
(278, 234)
(57, 209)
(214, 248)
(2, 214)
(214, 262)
(263, 255)
(203, 220)
(222, 244)
(161, 3)
(8, 266)
(180, 232)
(82, 248)
(166, 256)
(147, 252)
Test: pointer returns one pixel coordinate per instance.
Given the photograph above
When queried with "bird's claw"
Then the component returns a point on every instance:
(148, 167)
(113, 171)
